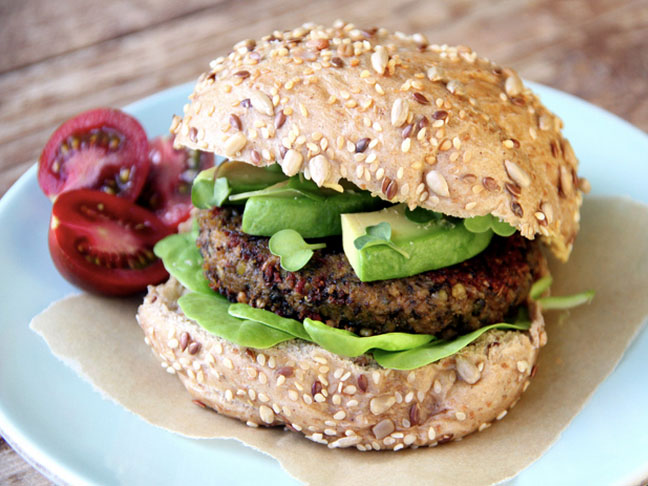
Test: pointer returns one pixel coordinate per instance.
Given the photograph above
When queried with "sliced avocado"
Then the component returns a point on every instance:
(311, 217)
(435, 244)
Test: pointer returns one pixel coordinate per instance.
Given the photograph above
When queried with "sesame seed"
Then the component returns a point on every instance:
(228, 363)
(405, 146)
(252, 394)
(501, 415)
(281, 380)
(460, 416)
(252, 372)
(445, 145)
(173, 343)
(229, 396)
(293, 395)
(379, 59)
(375, 376)
(484, 426)
(340, 415)
(389, 441)
(266, 414)
(307, 399)
(263, 379)
(330, 432)
(336, 399)
(522, 366)
(431, 433)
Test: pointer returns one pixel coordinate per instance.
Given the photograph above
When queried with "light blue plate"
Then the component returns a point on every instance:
(58, 421)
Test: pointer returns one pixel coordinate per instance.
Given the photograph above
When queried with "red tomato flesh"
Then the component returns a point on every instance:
(168, 189)
(104, 244)
(103, 149)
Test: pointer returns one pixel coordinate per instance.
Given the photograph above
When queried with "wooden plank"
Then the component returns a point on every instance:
(37, 30)
(15, 471)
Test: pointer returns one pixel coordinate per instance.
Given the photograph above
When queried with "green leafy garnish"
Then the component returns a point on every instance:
(540, 286)
(436, 350)
(346, 343)
(379, 234)
(291, 187)
(210, 311)
(182, 260)
(292, 250)
(566, 301)
(480, 224)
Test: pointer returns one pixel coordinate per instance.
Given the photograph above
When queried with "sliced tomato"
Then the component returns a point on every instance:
(102, 149)
(168, 188)
(104, 243)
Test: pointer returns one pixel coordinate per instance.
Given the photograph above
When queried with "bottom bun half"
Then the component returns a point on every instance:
(338, 401)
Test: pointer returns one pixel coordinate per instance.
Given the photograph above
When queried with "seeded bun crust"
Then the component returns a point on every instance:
(339, 401)
(427, 125)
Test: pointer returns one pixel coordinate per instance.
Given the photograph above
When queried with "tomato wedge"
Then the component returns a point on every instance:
(167, 191)
(103, 149)
(104, 243)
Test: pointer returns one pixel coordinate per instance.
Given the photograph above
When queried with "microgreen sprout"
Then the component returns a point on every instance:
(379, 234)
(293, 251)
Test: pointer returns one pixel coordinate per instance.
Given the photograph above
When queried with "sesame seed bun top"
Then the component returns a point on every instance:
(431, 126)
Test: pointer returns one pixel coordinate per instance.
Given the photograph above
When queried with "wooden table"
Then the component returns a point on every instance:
(62, 57)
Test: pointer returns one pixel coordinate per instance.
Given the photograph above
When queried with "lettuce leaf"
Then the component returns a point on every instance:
(210, 311)
(436, 350)
(182, 260)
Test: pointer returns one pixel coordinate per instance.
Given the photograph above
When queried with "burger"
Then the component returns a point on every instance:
(365, 268)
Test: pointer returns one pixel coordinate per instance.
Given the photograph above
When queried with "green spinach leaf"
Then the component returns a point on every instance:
(210, 312)
(346, 343)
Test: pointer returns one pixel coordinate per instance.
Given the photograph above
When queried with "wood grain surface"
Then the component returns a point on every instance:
(62, 57)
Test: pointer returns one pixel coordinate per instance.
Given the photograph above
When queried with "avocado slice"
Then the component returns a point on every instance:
(311, 217)
(438, 243)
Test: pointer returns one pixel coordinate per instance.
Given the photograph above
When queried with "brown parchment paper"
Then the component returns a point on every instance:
(101, 340)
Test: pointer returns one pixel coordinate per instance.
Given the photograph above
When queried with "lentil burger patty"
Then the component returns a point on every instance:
(483, 290)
